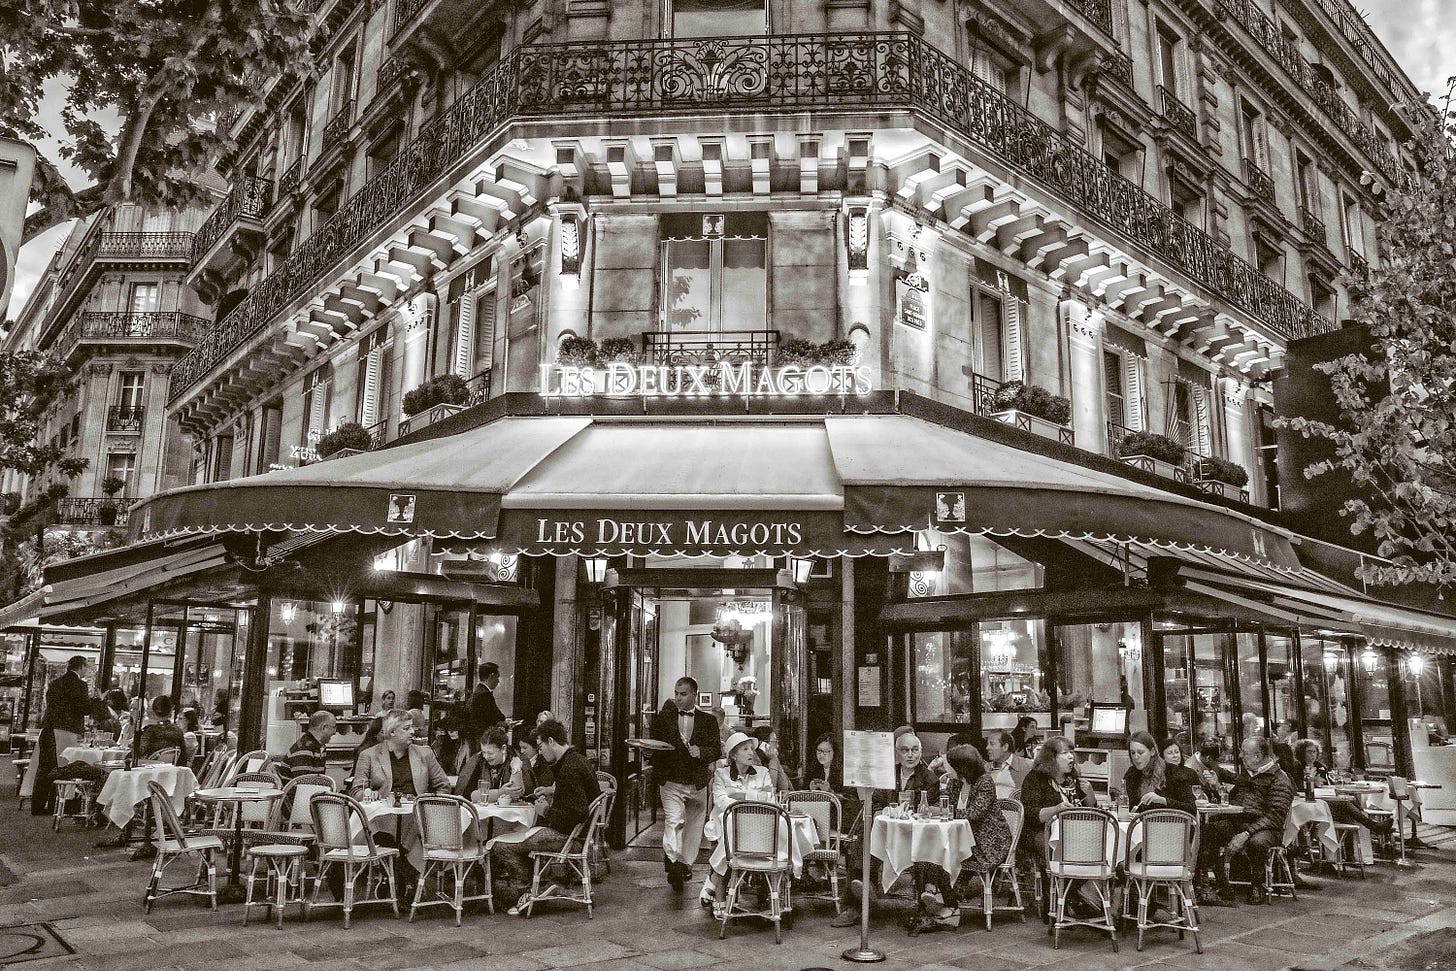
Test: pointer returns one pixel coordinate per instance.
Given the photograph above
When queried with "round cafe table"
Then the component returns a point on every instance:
(91, 755)
(124, 789)
(238, 796)
(900, 843)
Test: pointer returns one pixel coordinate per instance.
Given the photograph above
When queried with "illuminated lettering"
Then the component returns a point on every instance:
(747, 380)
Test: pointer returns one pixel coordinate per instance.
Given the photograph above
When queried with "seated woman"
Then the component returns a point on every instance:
(489, 773)
(1150, 783)
(1051, 785)
(1173, 760)
(740, 778)
(1307, 765)
(972, 792)
(825, 773)
(1211, 776)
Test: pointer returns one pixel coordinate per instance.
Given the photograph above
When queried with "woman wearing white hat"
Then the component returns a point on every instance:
(736, 778)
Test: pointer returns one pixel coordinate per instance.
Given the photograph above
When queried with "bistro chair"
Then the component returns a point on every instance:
(824, 808)
(451, 830)
(335, 818)
(71, 790)
(173, 844)
(1347, 839)
(286, 842)
(162, 756)
(574, 857)
(1085, 851)
(1398, 791)
(1278, 871)
(21, 767)
(756, 837)
(1161, 854)
(1379, 759)
(251, 762)
(1005, 872)
(601, 853)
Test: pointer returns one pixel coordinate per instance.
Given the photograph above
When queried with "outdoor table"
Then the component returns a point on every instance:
(803, 839)
(91, 755)
(237, 795)
(126, 789)
(900, 843)
(1303, 812)
(383, 816)
(521, 814)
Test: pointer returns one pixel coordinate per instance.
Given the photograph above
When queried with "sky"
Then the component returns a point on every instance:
(1417, 32)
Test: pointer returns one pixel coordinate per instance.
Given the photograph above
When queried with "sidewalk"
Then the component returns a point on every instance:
(93, 900)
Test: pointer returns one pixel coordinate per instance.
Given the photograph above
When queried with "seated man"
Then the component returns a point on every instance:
(576, 790)
(398, 765)
(1006, 767)
(1265, 793)
(306, 756)
(160, 732)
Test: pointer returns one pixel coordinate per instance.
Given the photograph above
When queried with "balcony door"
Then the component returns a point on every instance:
(714, 274)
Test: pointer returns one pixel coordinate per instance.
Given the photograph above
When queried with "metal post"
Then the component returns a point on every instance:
(864, 954)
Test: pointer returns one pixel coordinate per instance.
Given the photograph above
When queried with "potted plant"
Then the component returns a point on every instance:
(577, 352)
(1221, 477)
(437, 398)
(107, 512)
(1154, 453)
(838, 352)
(349, 438)
(797, 352)
(1034, 409)
(617, 350)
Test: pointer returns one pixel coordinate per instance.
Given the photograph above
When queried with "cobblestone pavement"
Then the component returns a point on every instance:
(92, 899)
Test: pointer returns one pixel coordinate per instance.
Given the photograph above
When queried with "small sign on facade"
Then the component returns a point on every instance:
(950, 507)
(401, 508)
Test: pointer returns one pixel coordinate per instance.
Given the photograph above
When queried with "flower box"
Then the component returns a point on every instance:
(1227, 490)
(1157, 466)
(1008, 719)
(343, 453)
(429, 416)
(1037, 425)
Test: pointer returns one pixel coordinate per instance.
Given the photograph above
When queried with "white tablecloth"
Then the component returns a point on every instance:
(804, 839)
(125, 790)
(64, 740)
(91, 756)
(899, 843)
(399, 823)
(1302, 812)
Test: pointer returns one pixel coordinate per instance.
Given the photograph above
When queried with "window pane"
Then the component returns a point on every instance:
(144, 297)
(941, 680)
(1374, 686)
(689, 281)
(1327, 697)
(1424, 698)
(1102, 663)
(1280, 651)
(973, 564)
(743, 300)
(988, 323)
(1251, 685)
(718, 18)
(1215, 712)
(1011, 674)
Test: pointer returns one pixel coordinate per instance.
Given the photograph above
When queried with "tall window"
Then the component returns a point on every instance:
(318, 395)
(270, 435)
(1189, 417)
(297, 128)
(343, 84)
(374, 376)
(999, 319)
(122, 465)
(222, 458)
(1251, 134)
(996, 69)
(1350, 226)
(1269, 455)
(1270, 259)
(715, 272)
(1307, 178)
(718, 18)
(1168, 44)
(131, 391)
(144, 298)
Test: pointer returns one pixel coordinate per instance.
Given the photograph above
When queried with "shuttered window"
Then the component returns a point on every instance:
(1137, 399)
(475, 319)
(1113, 383)
(373, 384)
(318, 396)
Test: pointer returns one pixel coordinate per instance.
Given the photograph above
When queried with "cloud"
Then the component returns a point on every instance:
(1420, 34)
(31, 262)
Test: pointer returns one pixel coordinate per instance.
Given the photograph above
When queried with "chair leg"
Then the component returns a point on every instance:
(988, 898)
(834, 887)
(489, 885)
(1016, 893)
(420, 890)
(1107, 912)
(1143, 893)
(775, 914)
(1060, 893)
(349, 876)
(393, 891)
(586, 890)
(248, 891)
(459, 904)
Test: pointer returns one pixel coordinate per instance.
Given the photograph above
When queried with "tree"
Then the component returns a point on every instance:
(30, 383)
(169, 68)
(1396, 436)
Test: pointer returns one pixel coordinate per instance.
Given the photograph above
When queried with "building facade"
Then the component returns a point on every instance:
(869, 362)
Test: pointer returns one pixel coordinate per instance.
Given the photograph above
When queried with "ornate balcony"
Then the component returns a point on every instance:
(405, 10)
(289, 180)
(1177, 114)
(1260, 183)
(688, 347)
(245, 204)
(95, 512)
(1097, 11)
(1180, 471)
(1359, 267)
(1313, 225)
(1279, 48)
(1119, 67)
(109, 248)
(336, 130)
(141, 331)
(125, 418)
(751, 76)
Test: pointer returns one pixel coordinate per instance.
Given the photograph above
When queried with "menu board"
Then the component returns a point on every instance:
(869, 760)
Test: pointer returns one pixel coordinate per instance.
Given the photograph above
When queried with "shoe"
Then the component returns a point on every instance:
(948, 917)
(848, 917)
(518, 909)
(1258, 895)
(706, 903)
(931, 902)
(674, 878)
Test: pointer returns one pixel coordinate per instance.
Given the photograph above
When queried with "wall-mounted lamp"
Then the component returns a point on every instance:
(337, 607)
(1368, 659)
(596, 568)
(288, 611)
(802, 568)
(1415, 664)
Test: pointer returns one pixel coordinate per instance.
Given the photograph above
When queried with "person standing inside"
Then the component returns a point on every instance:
(484, 712)
(68, 699)
(683, 777)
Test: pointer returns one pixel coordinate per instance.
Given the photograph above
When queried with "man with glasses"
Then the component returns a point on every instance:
(1264, 792)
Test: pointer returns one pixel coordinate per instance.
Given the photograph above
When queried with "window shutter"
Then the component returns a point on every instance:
(1202, 432)
(369, 375)
(483, 309)
(464, 334)
(1137, 400)
(1013, 315)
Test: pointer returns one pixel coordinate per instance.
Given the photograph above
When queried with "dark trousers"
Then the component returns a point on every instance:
(511, 862)
(925, 874)
(1215, 839)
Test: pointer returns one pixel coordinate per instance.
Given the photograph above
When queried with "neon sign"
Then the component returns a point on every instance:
(746, 380)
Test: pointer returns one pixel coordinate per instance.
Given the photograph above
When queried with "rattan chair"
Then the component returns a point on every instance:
(1161, 853)
(173, 844)
(334, 814)
(1005, 872)
(451, 830)
(607, 783)
(69, 790)
(756, 839)
(574, 856)
(253, 761)
(1085, 851)
(162, 756)
(828, 815)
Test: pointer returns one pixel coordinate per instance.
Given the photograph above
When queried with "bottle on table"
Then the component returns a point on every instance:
(924, 805)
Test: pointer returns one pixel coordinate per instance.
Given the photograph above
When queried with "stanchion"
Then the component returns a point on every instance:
(864, 954)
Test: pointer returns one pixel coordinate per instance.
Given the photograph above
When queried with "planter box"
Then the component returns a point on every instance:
(1157, 466)
(1037, 426)
(344, 453)
(1225, 489)
(429, 416)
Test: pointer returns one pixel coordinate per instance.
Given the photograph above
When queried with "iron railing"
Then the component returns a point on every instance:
(983, 393)
(104, 326)
(730, 347)
(97, 511)
(1359, 266)
(125, 418)
(336, 129)
(1097, 11)
(1177, 114)
(122, 246)
(1286, 53)
(1313, 224)
(1120, 67)
(1260, 183)
(289, 180)
(477, 390)
(405, 10)
(378, 433)
(849, 72)
(247, 200)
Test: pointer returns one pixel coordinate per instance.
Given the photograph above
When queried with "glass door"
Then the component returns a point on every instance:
(1197, 687)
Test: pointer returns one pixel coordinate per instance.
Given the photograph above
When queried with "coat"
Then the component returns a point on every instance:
(1177, 788)
(1266, 795)
(484, 712)
(372, 771)
(679, 765)
(988, 824)
(727, 790)
(68, 702)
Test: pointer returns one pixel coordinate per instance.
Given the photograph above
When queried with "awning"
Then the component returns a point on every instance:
(24, 612)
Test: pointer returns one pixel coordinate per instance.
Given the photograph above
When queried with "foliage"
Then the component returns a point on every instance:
(1395, 437)
(617, 349)
(1222, 470)
(1034, 400)
(112, 484)
(797, 352)
(577, 352)
(169, 68)
(443, 389)
(1153, 445)
(30, 384)
(350, 434)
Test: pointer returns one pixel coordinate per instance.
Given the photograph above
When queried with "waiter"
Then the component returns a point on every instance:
(68, 700)
(484, 712)
(685, 771)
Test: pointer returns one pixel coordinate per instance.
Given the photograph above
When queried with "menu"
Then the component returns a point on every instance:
(869, 760)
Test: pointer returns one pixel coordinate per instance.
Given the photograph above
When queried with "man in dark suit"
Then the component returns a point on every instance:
(484, 712)
(68, 700)
(683, 777)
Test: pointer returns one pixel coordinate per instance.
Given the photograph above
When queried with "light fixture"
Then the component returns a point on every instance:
(596, 568)
(337, 606)
(1415, 664)
(1368, 659)
(288, 611)
(802, 568)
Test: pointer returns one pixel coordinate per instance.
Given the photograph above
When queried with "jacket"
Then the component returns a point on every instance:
(477, 773)
(159, 736)
(484, 712)
(1265, 795)
(678, 765)
(1010, 776)
(1040, 791)
(576, 789)
(1177, 788)
(68, 701)
(727, 790)
(921, 780)
(372, 771)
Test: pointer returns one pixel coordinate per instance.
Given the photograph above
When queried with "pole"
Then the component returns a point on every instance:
(864, 954)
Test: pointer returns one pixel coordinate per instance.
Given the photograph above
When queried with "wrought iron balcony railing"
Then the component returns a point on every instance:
(378, 433)
(247, 200)
(102, 327)
(95, 511)
(1120, 67)
(123, 246)
(983, 393)
(1260, 183)
(1097, 11)
(1313, 224)
(1179, 115)
(405, 10)
(125, 418)
(1116, 432)
(1286, 53)
(754, 75)
(1359, 266)
(289, 180)
(337, 127)
(731, 347)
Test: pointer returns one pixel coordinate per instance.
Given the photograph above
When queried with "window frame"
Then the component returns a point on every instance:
(716, 243)
(670, 28)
